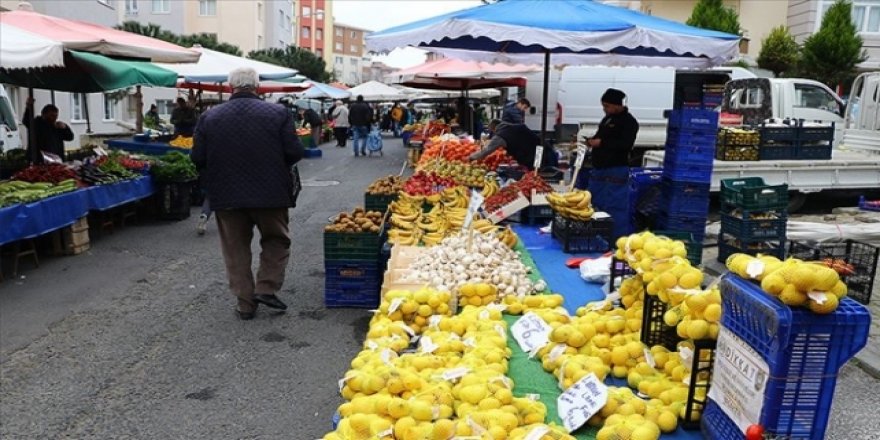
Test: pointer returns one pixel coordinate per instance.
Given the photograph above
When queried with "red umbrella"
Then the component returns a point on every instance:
(88, 37)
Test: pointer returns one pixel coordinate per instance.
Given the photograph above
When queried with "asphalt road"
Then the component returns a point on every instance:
(137, 338)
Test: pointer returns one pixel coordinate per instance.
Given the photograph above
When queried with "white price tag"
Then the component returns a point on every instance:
(455, 373)
(395, 304)
(581, 152)
(531, 332)
(475, 203)
(755, 268)
(819, 297)
(427, 345)
(539, 156)
(581, 401)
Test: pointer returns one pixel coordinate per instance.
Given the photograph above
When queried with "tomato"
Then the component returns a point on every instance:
(755, 432)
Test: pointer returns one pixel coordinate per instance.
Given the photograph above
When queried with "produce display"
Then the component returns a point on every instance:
(425, 183)
(182, 142)
(385, 186)
(92, 174)
(410, 225)
(573, 205)
(48, 173)
(466, 174)
(452, 264)
(454, 149)
(503, 197)
(17, 191)
(738, 136)
(813, 285)
(174, 166)
(114, 167)
(356, 222)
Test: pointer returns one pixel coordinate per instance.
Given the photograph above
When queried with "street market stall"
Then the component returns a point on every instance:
(374, 91)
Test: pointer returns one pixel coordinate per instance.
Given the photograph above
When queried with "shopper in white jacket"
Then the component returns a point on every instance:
(340, 123)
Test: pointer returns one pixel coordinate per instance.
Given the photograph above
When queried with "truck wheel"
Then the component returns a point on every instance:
(796, 200)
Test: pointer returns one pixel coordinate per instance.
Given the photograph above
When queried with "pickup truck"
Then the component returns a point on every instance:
(854, 167)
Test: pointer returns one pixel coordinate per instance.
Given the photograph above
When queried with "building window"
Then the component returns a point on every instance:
(319, 53)
(337, 60)
(306, 32)
(131, 7)
(353, 61)
(340, 32)
(865, 15)
(319, 34)
(76, 107)
(319, 14)
(307, 12)
(207, 7)
(109, 108)
(164, 106)
(260, 11)
(354, 35)
(339, 46)
(161, 7)
(353, 48)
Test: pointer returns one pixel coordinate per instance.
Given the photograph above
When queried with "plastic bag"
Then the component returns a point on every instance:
(596, 270)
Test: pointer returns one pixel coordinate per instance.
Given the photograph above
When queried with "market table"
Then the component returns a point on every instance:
(104, 197)
(152, 148)
(31, 220)
(541, 252)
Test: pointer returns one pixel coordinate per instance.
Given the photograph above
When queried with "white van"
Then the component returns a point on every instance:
(9, 135)
(649, 90)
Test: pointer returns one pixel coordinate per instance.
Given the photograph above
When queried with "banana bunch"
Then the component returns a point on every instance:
(574, 205)
(508, 237)
(490, 188)
(484, 226)
(454, 197)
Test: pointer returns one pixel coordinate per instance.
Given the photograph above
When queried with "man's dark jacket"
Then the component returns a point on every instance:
(244, 149)
(521, 143)
(360, 115)
(618, 134)
(48, 138)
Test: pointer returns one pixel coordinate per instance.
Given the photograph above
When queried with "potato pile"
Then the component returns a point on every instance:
(356, 221)
(385, 186)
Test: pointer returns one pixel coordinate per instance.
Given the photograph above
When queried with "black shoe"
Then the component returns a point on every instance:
(270, 301)
(245, 316)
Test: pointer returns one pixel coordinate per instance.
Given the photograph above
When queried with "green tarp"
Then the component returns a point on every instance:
(89, 73)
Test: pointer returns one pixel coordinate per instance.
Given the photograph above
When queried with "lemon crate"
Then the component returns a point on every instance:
(378, 202)
(860, 270)
(579, 236)
(361, 246)
(752, 194)
(804, 352)
(620, 270)
(654, 329)
(753, 229)
(729, 245)
(727, 150)
(692, 243)
(351, 284)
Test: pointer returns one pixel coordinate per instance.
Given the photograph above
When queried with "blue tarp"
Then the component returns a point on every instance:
(151, 148)
(104, 197)
(34, 219)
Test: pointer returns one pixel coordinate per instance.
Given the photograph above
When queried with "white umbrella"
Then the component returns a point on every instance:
(21, 49)
(376, 91)
(214, 67)
(318, 90)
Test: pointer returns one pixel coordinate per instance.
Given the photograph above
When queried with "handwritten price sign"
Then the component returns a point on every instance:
(531, 332)
(581, 401)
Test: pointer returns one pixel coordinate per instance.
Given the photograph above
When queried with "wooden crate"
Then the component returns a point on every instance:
(75, 238)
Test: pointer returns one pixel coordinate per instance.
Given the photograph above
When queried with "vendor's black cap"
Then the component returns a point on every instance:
(613, 96)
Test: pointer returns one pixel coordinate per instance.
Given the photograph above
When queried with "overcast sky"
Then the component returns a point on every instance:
(382, 14)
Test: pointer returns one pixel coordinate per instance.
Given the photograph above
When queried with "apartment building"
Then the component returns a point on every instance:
(313, 28)
(804, 17)
(350, 66)
(756, 17)
(248, 24)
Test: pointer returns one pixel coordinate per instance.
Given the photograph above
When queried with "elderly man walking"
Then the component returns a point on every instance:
(245, 149)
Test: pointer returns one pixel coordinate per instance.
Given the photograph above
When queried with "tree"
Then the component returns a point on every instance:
(208, 41)
(307, 63)
(779, 52)
(712, 14)
(831, 54)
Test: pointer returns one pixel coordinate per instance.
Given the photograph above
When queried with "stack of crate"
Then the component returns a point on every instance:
(352, 269)
(687, 170)
(753, 218)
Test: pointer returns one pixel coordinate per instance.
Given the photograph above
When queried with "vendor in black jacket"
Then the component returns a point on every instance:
(610, 148)
(49, 132)
(516, 139)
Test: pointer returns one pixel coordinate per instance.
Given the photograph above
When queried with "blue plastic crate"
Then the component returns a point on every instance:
(687, 172)
(813, 151)
(752, 229)
(352, 295)
(694, 119)
(700, 139)
(351, 272)
(536, 215)
(682, 223)
(777, 152)
(685, 198)
(804, 352)
(641, 180)
(689, 155)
